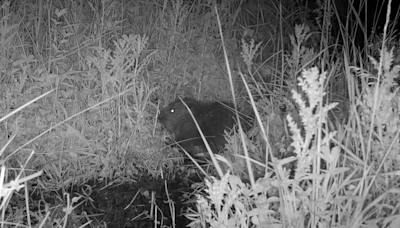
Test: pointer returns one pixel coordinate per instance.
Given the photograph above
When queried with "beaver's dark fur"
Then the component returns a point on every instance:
(213, 118)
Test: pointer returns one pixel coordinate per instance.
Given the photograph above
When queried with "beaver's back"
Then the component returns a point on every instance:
(213, 118)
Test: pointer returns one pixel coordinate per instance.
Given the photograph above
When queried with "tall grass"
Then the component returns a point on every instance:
(346, 170)
(323, 151)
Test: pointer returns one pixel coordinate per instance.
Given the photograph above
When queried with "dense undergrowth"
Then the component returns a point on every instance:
(82, 83)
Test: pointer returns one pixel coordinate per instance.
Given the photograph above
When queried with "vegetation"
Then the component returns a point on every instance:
(82, 83)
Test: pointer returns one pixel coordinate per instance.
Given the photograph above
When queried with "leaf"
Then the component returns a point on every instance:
(60, 13)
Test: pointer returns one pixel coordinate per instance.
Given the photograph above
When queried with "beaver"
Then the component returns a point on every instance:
(213, 119)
